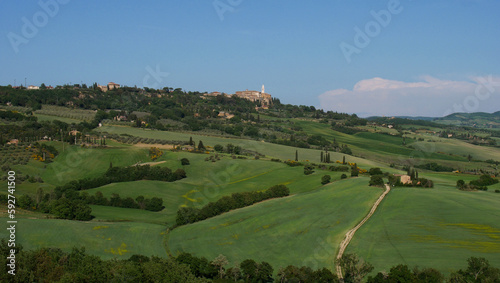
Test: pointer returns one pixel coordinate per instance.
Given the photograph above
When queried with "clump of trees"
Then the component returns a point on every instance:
(484, 180)
(68, 202)
(186, 215)
(354, 170)
(56, 265)
(67, 209)
(375, 171)
(339, 168)
(63, 208)
(353, 268)
(292, 163)
(123, 174)
(480, 184)
(376, 181)
(326, 179)
(185, 161)
(140, 202)
(308, 169)
(376, 177)
(433, 166)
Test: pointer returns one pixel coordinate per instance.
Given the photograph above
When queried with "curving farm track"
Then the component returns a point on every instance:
(348, 236)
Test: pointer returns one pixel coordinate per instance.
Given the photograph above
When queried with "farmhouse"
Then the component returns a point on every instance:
(33, 87)
(405, 179)
(109, 86)
(120, 118)
(225, 115)
(214, 93)
(112, 85)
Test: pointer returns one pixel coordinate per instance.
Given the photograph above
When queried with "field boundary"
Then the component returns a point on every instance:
(350, 234)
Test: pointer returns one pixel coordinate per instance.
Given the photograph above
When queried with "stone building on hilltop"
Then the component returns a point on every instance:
(256, 96)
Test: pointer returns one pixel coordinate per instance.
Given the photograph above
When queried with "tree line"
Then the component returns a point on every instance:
(122, 174)
(186, 215)
(56, 265)
(480, 184)
(67, 202)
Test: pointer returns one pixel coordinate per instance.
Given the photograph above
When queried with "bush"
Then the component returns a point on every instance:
(308, 169)
(375, 171)
(325, 179)
(354, 171)
(484, 180)
(343, 176)
(433, 166)
(497, 191)
(376, 181)
(339, 168)
(218, 148)
(185, 161)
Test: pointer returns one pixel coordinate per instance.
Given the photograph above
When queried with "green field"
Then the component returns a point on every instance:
(303, 229)
(66, 112)
(437, 228)
(389, 149)
(269, 149)
(221, 178)
(42, 117)
(105, 239)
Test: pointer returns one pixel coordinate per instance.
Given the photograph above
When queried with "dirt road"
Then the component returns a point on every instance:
(348, 236)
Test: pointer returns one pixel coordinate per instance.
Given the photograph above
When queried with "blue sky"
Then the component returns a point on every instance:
(429, 58)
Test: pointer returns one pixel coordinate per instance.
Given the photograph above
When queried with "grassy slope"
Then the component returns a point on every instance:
(43, 117)
(437, 228)
(108, 240)
(311, 211)
(304, 229)
(214, 180)
(76, 162)
(269, 149)
(389, 149)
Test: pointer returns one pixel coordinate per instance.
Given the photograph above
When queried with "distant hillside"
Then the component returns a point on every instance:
(405, 117)
(478, 119)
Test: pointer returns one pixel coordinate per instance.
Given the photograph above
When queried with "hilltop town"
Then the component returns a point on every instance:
(263, 98)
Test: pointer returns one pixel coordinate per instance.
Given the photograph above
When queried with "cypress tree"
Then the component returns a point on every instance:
(200, 145)
(296, 155)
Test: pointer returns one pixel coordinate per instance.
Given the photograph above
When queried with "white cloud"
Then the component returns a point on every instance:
(428, 97)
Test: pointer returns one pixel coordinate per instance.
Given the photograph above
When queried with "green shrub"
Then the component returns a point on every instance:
(325, 179)
(376, 181)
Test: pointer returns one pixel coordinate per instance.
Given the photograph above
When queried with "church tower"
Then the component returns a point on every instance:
(263, 90)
